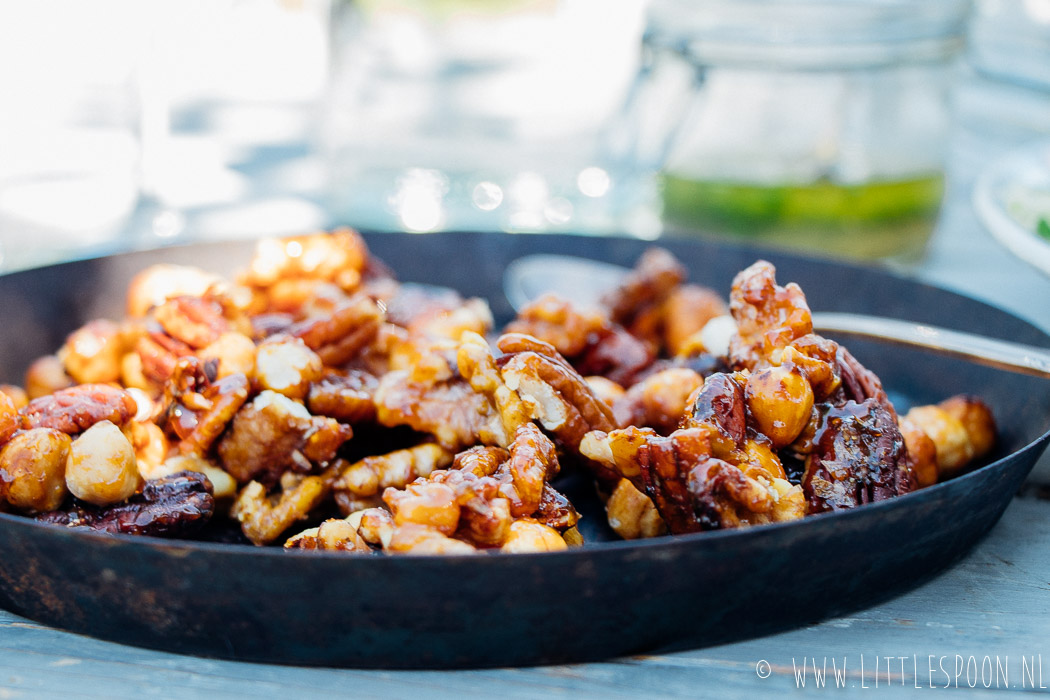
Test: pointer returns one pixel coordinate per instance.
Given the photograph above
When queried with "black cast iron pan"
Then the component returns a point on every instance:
(607, 599)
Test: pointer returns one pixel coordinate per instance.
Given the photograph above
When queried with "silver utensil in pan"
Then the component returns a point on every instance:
(585, 279)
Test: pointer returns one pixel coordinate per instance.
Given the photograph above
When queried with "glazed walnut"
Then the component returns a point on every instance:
(479, 504)
(272, 433)
(357, 482)
(768, 316)
(265, 517)
(560, 398)
(692, 489)
(246, 393)
(346, 397)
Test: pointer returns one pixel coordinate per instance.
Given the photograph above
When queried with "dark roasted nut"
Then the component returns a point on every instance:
(158, 355)
(616, 355)
(555, 510)
(859, 383)
(347, 398)
(720, 405)
(659, 401)
(691, 489)
(77, 408)
(860, 457)
(173, 506)
(33, 469)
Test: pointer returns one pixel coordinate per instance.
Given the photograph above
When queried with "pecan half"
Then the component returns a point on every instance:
(172, 506)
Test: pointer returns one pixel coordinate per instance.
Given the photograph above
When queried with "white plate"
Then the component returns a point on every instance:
(1010, 197)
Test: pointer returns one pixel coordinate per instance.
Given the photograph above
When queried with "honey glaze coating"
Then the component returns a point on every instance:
(320, 404)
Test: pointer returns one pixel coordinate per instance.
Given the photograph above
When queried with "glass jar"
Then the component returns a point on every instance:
(810, 124)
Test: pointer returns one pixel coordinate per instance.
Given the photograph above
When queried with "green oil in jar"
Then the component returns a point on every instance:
(887, 219)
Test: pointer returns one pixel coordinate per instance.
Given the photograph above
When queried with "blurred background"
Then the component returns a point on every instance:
(845, 128)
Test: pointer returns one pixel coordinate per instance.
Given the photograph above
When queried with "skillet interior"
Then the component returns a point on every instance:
(609, 598)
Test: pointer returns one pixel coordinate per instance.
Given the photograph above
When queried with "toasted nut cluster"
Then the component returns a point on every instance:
(960, 428)
(316, 385)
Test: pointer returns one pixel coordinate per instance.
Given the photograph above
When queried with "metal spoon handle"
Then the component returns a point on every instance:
(1001, 354)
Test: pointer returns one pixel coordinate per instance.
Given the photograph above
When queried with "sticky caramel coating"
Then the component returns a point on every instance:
(780, 402)
(33, 470)
(371, 475)
(252, 388)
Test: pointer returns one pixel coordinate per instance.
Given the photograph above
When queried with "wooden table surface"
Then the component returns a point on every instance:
(994, 606)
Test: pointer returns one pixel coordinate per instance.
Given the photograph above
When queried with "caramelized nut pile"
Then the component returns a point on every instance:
(317, 402)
